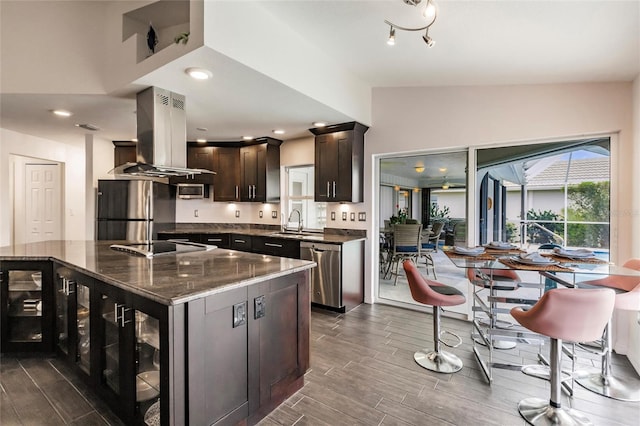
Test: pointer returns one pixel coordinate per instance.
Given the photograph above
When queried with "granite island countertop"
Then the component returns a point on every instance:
(169, 279)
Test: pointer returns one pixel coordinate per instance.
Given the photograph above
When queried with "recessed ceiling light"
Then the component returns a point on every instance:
(62, 113)
(247, 138)
(199, 73)
(278, 132)
(419, 169)
(201, 140)
(319, 123)
(87, 126)
(442, 169)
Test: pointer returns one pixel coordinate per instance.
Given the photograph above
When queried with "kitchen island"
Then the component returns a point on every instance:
(206, 337)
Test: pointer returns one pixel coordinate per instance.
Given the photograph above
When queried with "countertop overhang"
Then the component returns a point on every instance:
(169, 279)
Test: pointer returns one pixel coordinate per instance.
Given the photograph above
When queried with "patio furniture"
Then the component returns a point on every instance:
(406, 245)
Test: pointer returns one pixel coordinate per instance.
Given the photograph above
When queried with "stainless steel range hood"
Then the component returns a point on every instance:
(162, 132)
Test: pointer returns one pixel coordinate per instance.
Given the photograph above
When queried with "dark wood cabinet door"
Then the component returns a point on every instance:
(248, 172)
(241, 242)
(226, 182)
(219, 240)
(200, 157)
(326, 167)
(218, 350)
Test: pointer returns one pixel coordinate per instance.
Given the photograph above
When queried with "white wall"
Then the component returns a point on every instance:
(461, 117)
(73, 160)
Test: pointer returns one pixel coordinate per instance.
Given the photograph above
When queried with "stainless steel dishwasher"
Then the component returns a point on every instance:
(326, 288)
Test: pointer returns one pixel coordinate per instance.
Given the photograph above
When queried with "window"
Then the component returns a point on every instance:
(299, 196)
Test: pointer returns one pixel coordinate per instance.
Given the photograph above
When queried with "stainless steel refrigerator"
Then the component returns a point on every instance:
(134, 210)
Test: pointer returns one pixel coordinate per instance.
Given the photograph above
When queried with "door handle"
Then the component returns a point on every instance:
(236, 192)
(119, 314)
(334, 189)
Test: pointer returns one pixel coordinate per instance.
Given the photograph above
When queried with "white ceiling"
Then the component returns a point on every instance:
(477, 43)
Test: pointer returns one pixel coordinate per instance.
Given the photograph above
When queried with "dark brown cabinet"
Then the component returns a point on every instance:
(339, 163)
(276, 246)
(256, 352)
(124, 152)
(226, 164)
(26, 306)
(240, 242)
(260, 173)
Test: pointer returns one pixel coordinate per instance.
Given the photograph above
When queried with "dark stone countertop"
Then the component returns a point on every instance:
(330, 236)
(169, 279)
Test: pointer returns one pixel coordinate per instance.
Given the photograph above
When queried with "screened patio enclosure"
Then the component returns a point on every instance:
(549, 193)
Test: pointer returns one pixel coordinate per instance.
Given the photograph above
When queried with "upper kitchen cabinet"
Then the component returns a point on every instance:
(339, 162)
(124, 152)
(226, 164)
(260, 171)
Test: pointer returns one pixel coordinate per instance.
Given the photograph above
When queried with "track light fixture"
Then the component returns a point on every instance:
(430, 13)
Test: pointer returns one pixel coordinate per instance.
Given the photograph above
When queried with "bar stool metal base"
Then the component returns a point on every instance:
(622, 389)
(441, 362)
(537, 411)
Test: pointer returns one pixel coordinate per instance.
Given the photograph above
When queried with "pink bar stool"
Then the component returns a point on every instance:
(437, 295)
(627, 299)
(563, 314)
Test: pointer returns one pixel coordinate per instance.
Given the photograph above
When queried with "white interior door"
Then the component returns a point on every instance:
(42, 202)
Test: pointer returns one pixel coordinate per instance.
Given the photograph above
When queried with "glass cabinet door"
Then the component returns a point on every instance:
(62, 313)
(83, 327)
(110, 350)
(24, 306)
(147, 332)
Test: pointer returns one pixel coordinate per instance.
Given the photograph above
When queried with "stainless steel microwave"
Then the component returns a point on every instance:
(191, 191)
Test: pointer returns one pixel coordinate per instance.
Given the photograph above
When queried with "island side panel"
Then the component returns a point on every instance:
(217, 360)
(176, 366)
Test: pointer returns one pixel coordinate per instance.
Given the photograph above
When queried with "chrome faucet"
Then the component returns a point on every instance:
(299, 219)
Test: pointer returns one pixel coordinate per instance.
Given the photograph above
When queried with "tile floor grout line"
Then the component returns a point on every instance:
(42, 392)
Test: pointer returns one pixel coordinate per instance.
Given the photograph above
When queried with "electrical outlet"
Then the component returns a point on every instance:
(333, 215)
(353, 216)
(362, 216)
(260, 214)
(344, 215)
(237, 213)
(274, 214)
(195, 213)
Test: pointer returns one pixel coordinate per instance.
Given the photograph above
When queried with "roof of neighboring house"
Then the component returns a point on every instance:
(581, 170)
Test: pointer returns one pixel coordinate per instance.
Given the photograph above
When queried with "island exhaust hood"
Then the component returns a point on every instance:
(162, 131)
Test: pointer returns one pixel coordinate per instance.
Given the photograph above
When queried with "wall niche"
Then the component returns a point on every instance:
(169, 19)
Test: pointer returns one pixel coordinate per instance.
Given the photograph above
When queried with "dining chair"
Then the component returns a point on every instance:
(432, 241)
(573, 315)
(627, 299)
(406, 245)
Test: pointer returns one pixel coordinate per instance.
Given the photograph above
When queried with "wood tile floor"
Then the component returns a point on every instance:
(362, 373)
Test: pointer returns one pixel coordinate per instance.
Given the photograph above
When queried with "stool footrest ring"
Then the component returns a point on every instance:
(449, 345)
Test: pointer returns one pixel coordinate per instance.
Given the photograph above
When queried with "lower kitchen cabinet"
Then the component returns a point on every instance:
(248, 350)
(276, 246)
(26, 310)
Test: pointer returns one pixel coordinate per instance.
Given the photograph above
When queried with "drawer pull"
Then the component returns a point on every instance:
(273, 245)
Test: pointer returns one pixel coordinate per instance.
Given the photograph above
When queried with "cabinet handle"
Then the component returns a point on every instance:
(254, 192)
(236, 192)
(214, 240)
(239, 241)
(273, 245)
(71, 287)
(249, 190)
(334, 189)
(327, 189)
(119, 314)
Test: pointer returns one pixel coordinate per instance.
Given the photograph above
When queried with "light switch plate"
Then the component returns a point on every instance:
(274, 214)
(353, 216)
(362, 216)
(260, 214)
(333, 215)
(237, 213)
(344, 215)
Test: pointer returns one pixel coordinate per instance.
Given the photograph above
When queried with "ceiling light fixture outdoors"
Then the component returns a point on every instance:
(61, 113)
(430, 13)
(199, 73)
(419, 169)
